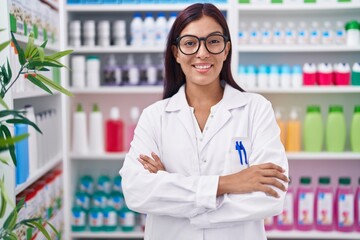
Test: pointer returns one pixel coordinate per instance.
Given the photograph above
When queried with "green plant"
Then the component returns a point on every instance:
(33, 61)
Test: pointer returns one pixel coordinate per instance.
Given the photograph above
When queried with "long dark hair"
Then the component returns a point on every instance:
(174, 76)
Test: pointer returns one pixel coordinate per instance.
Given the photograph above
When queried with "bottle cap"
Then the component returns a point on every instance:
(293, 114)
(92, 58)
(356, 67)
(324, 180)
(134, 113)
(344, 180)
(96, 108)
(241, 69)
(285, 69)
(274, 69)
(357, 108)
(313, 108)
(263, 69)
(352, 25)
(251, 69)
(305, 180)
(336, 108)
(309, 68)
(296, 69)
(114, 113)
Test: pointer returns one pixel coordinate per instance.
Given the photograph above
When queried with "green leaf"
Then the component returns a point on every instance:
(5, 74)
(11, 236)
(30, 46)
(4, 161)
(41, 53)
(39, 64)
(11, 220)
(38, 83)
(60, 54)
(20, 51)
(53, 84)
(42, 229)
(3, 103)
(47, 58)
(4, 113)
(3, 201)
(53, 228)
(9, 71)
(23, 120)
(43, 45)
(12, 140)
(20, 204)
(4, 45)
(11, 147)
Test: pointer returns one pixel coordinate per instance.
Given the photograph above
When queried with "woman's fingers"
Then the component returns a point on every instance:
(152, 165)
(158, 162)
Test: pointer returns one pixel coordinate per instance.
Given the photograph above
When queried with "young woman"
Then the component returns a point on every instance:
(206, 162)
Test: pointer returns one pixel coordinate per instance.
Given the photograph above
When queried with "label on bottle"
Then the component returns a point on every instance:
(306, 209)
(345, 210)
(324, 208)
(78, 218)
(127, 219)
(287, 215)
(96, 219)
(110, 218)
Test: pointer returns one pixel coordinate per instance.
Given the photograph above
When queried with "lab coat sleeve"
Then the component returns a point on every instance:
(266, 147)
(162, 193)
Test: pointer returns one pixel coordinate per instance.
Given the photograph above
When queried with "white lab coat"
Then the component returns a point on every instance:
(181, 203)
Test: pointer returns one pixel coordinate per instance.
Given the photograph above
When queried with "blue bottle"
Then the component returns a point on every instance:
(22, 154)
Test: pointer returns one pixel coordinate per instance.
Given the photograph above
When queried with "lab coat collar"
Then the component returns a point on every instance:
(232, 99)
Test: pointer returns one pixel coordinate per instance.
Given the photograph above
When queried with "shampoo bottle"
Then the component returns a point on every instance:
(304, 206)
(293, 135)
(285, 220)
(96, 131)
(22, 154)
(355, 130)
(335, 129)
(357, 207)
(282, 126)
(313, 129)
(114, 132)
(344, 206)
(80, 138)
(324, 200)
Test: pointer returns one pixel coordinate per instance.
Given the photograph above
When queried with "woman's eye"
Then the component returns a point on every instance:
(189, 44)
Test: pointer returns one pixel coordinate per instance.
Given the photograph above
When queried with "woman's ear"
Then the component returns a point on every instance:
(227, 49)
(175, 52)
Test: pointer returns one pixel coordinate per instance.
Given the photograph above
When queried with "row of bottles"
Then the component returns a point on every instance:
(296, 2)
(111, 135)
(315, 133)
(87, 72)
(100, 206)
(136, 1)
(302, 33)
(323, 207)
(286, 76)
(44, 199)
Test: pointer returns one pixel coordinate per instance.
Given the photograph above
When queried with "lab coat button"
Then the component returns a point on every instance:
(204, 160)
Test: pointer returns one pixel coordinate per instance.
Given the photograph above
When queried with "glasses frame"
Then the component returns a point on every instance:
(178, 39)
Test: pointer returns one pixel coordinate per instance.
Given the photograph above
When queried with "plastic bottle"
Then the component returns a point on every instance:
(355, 130)
(79, 132)
(324, 207)
(278, 34)
(150, 70)
(161, 30)
(22, 154)
(285, 76)
(127, 219)
(75, 33)
(281, 125)
(89, 33)
(96, 219)
(254, 36)
(342, 74)
(132, 71)
(327, 34)
(99, 199)
(285, 220)
(309, 74)
(313, 131)
(352, 33)
(87, 184)
(243, 35)
(78, 67)
(269, 223)
(357, 207)
(296, 76)
(130, 128)
(104, 184)
(82, 199)
(33, 145)
(263, 76)
(325, 74)
(149, 30)
(266, 33)
(304, 206)
(93, 72)
(335, 129)
(103, 33)
(340, 34)
(78, 219)
(110, 219)
(117, 183)
(114, 132)
(241, 79)
(112, 72)
(117, 200)
(136, 30)
(355, 74)
(251, 76)
(344, 206)
(119, 33)
(302, 34)
(96, 130)
(315, 36)
(293, 132)
(274, 77)
(290, 34)
(170, 21)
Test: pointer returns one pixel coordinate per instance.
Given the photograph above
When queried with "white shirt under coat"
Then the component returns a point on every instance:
(181, 202)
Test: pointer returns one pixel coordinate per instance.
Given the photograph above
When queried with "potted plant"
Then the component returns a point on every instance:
(33, 62)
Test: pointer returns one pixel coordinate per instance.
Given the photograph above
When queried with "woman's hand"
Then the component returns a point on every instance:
(151, 164)
(260, 177)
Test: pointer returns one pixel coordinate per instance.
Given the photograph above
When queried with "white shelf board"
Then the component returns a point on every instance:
(344, 7)
(130, 7)
(323, 156)
(308, 89)
(297, 48)
(119, 89)
(21, 39)
(116, 49)
(113, 235)
(312, 235)
(39, 173)
(96, 156)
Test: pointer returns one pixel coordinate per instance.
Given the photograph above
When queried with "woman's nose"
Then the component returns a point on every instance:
(202, 52)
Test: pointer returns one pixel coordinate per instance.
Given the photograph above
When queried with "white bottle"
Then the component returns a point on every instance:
(93, 71)
(285, 76)
(243, 34)
(290, 33)
(96, 131)
(78, 71)
(151, 70)
(170, 22)
(302, 34)
(296, 76)
(315, 36)
(33, 145)
(262, 77)
(104, 33)
(278, 34)
(327, 35)
(89, 33)
(274, 77)
(133, 70)
(149, 30)
(255, 35)
(266, 34)
(74, 33)
(161, 30)
(136, 30)
(251, 77)
(340, 35)
(79, 132)
(241, 80)
(352, 33)
(119, 33)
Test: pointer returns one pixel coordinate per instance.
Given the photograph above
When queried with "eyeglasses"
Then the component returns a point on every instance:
(190, 44)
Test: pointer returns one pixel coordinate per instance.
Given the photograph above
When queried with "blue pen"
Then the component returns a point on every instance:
(240, 148)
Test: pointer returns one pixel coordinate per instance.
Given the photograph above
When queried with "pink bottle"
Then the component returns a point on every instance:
(130, 128)
(325, 74)
(357, 207)
(309, 74)
(304, 205)
(344, 206)
(324, 205)
(114, 132)
(342, 74)
(285, 220)
(269, 223)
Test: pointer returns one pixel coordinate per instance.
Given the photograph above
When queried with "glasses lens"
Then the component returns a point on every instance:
(215, 44)
(189, 44)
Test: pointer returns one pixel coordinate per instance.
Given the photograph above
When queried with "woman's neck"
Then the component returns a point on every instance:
(203, 96)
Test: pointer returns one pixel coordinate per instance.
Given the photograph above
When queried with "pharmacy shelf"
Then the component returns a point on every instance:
(21, 39)
(120, 89)
(32, 94)
(130, 7)
(96, 156)
(308, 89)
(313, 8)
(274, 234)
(108, 235)
(39, 173)
(116, 49)
(323, 156)
(297, 48)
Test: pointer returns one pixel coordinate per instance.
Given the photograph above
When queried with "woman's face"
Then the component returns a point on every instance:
(202, 68)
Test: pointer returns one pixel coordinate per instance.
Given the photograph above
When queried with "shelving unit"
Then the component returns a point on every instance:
(124, 96)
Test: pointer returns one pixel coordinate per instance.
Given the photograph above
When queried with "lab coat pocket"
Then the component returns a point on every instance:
(238, 155)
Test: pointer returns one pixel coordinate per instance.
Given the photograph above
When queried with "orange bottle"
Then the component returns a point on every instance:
(281, 125)
(293, 137)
